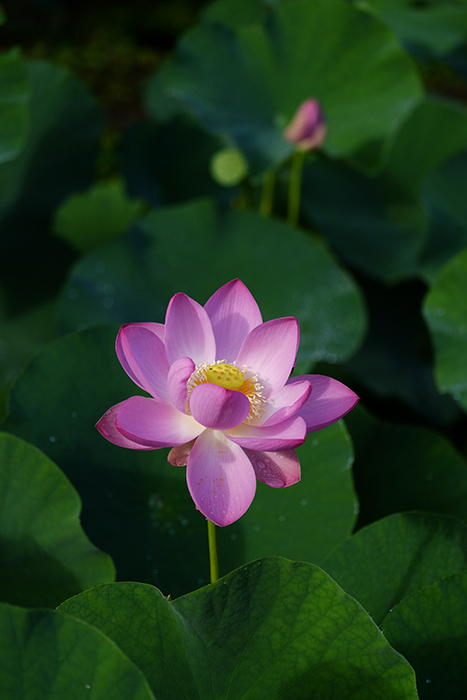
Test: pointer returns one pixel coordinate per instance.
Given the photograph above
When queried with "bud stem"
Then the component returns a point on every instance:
(267, 194)
(295, 187)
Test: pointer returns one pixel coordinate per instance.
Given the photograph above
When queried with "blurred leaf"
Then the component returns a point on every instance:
(45, 655)
(90, 219)
(136, 506)
(14, 103)
(197, 248)
(235, 14)
(380, 231)
(45, 557)
(21, 337)
(394, 557)
(64, 130)
(444, 192)
(439, 26)
(169, 163)
(399, 468)
(58, 158)
(272, 629)
(445, 311)
(248, 82)
(435, 131)
(306, 521)
(395, 360)
(429, 628)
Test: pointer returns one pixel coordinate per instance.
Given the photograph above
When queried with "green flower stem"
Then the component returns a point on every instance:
(213, 560)
(267, 194)
(295, 187)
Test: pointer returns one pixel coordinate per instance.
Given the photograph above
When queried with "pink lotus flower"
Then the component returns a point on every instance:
(307, 128)
(221, 397)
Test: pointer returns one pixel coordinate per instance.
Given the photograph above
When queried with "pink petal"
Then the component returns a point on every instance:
(273, 438)
(329, 401)
(188, 331)
(276, 469)
(179, 374)
(308, 127)
(156, 328)
(107, 428)
(142, 356)
(178, 455)
(285, 403)
(154, 424)
(233, 313)
(218, 408)
(220, 478)
(270, 351)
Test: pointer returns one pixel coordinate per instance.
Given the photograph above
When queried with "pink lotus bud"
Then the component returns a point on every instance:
(307, 128)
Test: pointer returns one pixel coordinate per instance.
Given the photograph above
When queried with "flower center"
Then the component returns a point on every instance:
(229, 377)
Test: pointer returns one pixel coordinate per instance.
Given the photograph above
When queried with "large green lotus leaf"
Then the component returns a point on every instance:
(196, 249)
(14, 103)
(90, 219)
(381, 232)
(46, 655)
(306, 521)
(272, 629)
(429, 628)
(439, 26)
(435, 131)
(248, 82)
(444, 190)
(390, 559)
(58, 158)
(45, 557)
(136, 506)
(170, 163)
(399, 468)
(445, 311)
(394, 361)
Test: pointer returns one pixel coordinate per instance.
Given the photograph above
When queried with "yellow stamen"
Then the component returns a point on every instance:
(229, 377)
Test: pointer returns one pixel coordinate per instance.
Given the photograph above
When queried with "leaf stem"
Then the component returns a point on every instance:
(213, 560)
(295, 187)
(267, 194)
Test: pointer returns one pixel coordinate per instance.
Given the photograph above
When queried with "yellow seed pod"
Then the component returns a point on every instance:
(228, 376)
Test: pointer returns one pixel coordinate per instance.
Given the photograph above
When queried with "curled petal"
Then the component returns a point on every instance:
(329, 401)
(285, 403)
(107, 428)
(270, 351)
(178, 456)
(147, 422)
(272, 438)
(220, 477)
(233, 313)
(276, 469)
(142, 355)
(179, 374)
(218, 408)
(188, 331)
